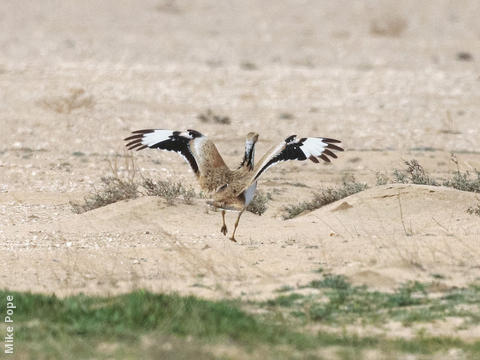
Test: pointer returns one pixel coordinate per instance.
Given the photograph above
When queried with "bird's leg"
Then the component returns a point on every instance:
(223, 230)
(236, 224)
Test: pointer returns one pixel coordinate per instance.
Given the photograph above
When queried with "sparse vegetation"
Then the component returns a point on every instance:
(381, 178)
(474, 210)
(122, 185)
(388, 25)
(168, 190)
(413, 174)
(325, 197)
(286, 116)
(112, 189)
(416, 174)
(76, 99)
(464, 181)
(248, 65)
(258, 205)
(210, 116)
(278, 328)
(340, 303)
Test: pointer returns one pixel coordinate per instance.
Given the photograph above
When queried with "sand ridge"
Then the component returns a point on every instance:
(390, 81)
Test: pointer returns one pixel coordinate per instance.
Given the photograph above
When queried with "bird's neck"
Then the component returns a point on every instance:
(248, 157)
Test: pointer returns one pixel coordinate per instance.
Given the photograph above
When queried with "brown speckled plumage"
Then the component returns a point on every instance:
(231, 190)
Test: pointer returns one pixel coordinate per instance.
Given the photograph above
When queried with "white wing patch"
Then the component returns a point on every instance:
(299, 149)
(167, 140)
(157, 136)
(313, 147)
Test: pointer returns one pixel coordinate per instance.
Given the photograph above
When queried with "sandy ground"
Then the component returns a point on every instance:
(393, 82)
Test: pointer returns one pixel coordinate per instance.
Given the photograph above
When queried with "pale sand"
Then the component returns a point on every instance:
(79, 77)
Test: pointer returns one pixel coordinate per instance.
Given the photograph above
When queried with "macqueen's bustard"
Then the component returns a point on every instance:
(231, 190)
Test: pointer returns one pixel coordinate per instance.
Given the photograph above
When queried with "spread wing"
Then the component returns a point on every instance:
(200, 152)
(298, 149)
(166, 140)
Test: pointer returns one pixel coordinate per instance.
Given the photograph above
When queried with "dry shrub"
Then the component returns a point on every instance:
(76, 99)
(120, 185)
(388, 25)
(168, 190)
(258, 205)
(474, 210)
(413, 174)
(210, 116)
(324, 197)
(416, 174)
(464, 181)
(112, 190)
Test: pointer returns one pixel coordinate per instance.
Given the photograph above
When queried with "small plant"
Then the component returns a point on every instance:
(210, 116)
(285, 288)
(76, 99)
(413, 174)
(113, 189)
(464, 181)
(121, 185)
(474, 210)
(259, 203)
(325, 197)
(330, 281)
(381, 178)
(388, 26)
(170, 191)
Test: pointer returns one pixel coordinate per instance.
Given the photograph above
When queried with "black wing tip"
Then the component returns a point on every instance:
(133, 137)
(144, 131)
(194, 133)
(325, 158)
(330, 140)
(136, 142)
(138, 134)
(334, 147)
(330, 153)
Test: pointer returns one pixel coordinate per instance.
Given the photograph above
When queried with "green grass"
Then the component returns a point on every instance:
(340, 303)
(169, 326)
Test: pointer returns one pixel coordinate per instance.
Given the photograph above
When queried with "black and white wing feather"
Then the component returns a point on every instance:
(168, 140)
(298, 149)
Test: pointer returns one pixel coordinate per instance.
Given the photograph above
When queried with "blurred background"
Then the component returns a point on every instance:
(379, 74)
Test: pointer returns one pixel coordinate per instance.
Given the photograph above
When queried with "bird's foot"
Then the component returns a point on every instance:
(223, 230)
(233, 239)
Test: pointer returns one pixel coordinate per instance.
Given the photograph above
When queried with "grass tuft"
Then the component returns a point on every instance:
(416, 174)
(474, 210)
(325, 197)
(168, 190)
(121, 185)
(413, 174)
(258, 205)
(76, 99)
(112, 189)
(210, 116)
(464, 181)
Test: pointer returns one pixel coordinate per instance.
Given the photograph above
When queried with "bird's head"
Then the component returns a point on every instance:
(252, 137)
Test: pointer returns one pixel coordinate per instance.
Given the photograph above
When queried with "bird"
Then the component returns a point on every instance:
(231, 190)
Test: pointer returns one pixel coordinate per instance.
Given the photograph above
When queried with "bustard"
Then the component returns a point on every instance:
(232, 190)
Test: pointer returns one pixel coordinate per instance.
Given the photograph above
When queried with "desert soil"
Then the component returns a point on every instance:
(392, 81)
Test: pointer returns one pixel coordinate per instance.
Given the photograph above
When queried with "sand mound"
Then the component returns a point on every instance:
(380, 237)
(401, 230)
